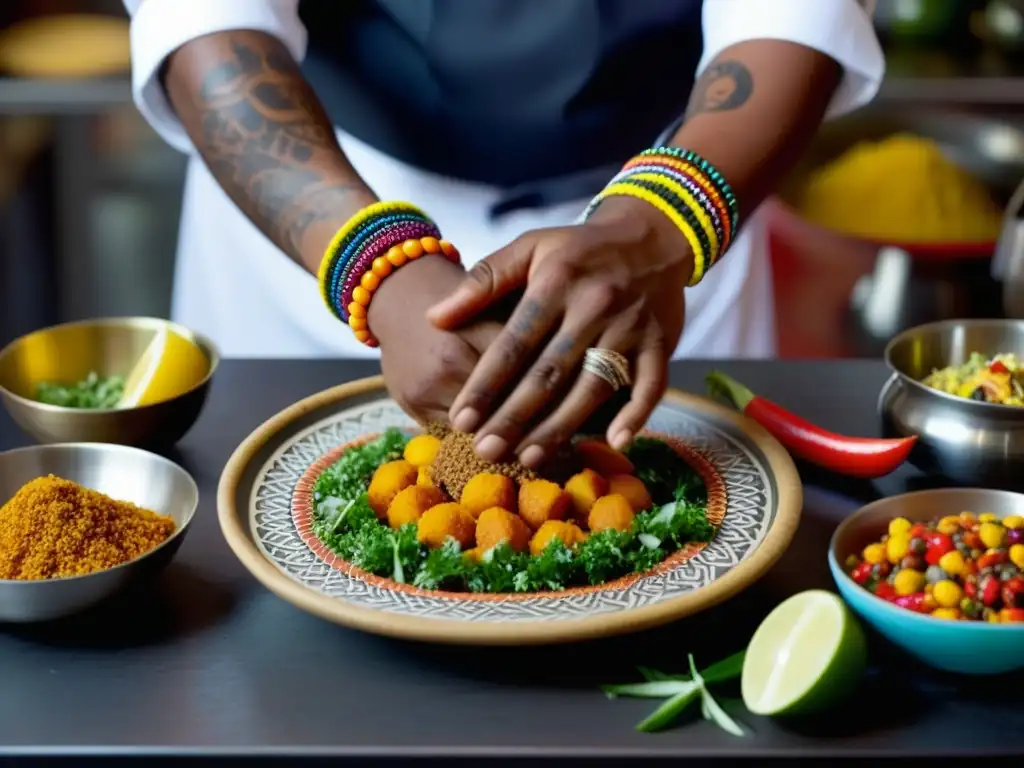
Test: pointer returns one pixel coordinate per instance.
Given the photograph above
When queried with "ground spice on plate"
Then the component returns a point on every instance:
(456, 462)
(54, 528)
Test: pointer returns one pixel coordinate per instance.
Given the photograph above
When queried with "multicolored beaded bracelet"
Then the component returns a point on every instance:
(373, 243)
(695, 177)
(719, 215)
(383, 266)
(691, 192)
(342, 238)
(360, 239)
(356, 267)
(658, 182)
(689, 156)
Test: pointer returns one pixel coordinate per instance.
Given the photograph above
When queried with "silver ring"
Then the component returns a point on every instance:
(609, 366)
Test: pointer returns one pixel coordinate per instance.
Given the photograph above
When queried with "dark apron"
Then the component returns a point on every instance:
(544, 98)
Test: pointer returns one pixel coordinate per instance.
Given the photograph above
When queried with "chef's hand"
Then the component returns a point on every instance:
(424, 366)
(616, 283)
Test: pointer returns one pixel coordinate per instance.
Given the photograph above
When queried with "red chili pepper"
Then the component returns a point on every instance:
(998, 367)
(861, 573)
(854, 456)
(989, 590)
(914, 602)
(938, 545)
(884, 590)
(1013, 615)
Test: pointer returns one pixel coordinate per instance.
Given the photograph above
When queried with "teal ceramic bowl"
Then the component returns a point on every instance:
(973, 648)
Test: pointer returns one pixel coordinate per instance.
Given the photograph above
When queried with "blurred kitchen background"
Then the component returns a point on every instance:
(89, 196)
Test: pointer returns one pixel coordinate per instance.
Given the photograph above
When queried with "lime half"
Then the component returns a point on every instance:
(807, 654)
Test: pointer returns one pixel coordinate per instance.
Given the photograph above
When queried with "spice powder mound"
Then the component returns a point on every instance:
(54, 528)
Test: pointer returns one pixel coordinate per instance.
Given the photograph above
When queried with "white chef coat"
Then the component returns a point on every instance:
(233, 285)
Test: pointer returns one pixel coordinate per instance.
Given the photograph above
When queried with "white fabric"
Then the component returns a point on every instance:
(233, 285)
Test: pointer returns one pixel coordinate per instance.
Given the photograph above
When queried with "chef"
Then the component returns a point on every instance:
(501, 127)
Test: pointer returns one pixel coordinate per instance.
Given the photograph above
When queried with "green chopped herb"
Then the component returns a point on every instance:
(664, 472)
(348, 477)
(92, 392)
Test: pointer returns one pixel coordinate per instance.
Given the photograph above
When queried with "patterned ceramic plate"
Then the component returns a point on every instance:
(263, 500)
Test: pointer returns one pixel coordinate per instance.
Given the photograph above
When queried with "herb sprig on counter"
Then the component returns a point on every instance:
(680, 691)
(347, 524)
(92, 392)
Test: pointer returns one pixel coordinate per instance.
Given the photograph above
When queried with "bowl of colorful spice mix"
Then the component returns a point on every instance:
(941, 574)
(81, 522)
(134, 381)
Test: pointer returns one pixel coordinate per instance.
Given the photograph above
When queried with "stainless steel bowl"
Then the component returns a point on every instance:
(126, 474)
(967, 441)
(69, 352)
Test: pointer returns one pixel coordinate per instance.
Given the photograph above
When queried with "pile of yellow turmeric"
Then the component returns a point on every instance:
(53, 528)
(902, 189)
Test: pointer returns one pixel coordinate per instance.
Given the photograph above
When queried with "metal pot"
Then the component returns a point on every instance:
(967, 441)
(1008, 263)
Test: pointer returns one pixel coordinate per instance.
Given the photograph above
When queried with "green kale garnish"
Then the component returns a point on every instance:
(664, 472)
(348, 477)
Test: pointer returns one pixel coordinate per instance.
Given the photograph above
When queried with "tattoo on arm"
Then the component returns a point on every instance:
(723, 86)
(267, 140)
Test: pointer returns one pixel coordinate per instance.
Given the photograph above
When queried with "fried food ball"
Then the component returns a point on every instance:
(476, 554)
(486, 490)
(603, 459)
(568, 533)
(390, 478)
(543, 500)
(611, 512)
(446, 520)
(424, 478)
(410, 503)
(633, 489)
(585, 488)
(421, 450)
(496, 525)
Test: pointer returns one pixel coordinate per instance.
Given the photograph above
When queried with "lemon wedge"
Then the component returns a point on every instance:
(170, 366)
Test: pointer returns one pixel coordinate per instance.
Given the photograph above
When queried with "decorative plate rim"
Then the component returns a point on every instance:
(302, 517)
(789, 492)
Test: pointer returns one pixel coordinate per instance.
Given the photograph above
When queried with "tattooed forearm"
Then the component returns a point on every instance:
(265, 138)
(723, 86)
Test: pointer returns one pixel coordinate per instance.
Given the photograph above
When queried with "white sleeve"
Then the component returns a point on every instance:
(160, 27)
(841, 29)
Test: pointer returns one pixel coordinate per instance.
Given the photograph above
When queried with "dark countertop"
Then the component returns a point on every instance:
(210, 663)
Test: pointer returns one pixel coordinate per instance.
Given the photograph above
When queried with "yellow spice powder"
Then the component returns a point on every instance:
(54, 528)
(902, 189)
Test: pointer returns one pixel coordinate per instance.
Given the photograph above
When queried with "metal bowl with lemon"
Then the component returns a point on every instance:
(134, 381)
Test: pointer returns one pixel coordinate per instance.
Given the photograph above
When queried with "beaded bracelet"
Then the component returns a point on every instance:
(681, 196)
(695, 177)
(369, 247)
(691, 192)
(689, 156)
(710, 203)
(381, 267)
(674, 214)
